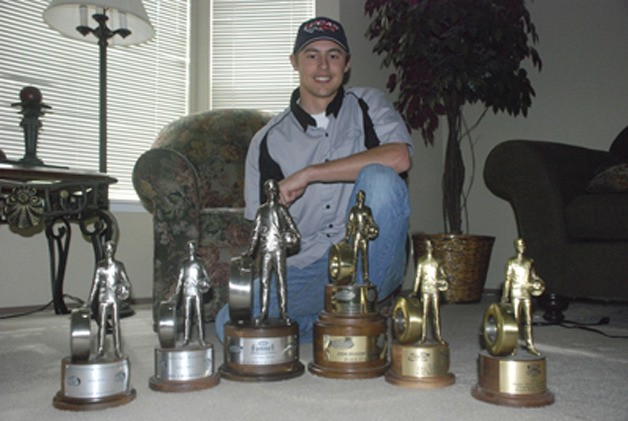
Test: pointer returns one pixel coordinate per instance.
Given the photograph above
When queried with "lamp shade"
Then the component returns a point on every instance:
(66, 15)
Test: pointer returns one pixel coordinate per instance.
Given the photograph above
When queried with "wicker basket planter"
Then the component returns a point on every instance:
(465, 259)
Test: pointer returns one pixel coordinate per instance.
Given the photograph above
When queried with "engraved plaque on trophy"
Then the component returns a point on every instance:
(95, 377)
(504, 376)
(350, 336)
(417, 361)
(184, 361)
(263, 348)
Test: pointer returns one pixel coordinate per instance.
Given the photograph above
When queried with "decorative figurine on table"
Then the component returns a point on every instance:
(184, 367)
(350, 335)
(504, 377)
(100, 379)
(417, 362)
(264, 348)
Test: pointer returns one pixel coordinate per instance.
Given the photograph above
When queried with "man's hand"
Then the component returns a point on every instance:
(293, 187)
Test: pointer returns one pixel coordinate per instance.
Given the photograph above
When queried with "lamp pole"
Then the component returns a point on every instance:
(103, 33)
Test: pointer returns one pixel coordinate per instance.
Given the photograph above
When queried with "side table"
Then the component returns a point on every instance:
(42, 198)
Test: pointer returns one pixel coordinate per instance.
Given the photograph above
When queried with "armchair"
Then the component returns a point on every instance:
(192, 181)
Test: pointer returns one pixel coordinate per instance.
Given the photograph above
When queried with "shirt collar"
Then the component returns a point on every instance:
(304, 118)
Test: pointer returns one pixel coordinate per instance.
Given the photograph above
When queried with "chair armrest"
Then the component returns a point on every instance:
(167, 184)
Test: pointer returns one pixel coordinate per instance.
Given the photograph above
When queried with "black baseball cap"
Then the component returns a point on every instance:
(320, 28)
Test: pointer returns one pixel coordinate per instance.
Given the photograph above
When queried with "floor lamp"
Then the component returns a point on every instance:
(75, 18)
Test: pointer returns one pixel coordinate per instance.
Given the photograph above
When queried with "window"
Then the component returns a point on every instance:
(251, 41)
(148, 85)
(147, 88)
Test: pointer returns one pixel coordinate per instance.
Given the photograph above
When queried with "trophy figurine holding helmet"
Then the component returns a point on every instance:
(350, 339)
(263, 348)
(506, 377)
(181, 365)
(98, 378)
(417, 361)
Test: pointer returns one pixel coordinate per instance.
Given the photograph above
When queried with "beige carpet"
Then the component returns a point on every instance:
(587, 372)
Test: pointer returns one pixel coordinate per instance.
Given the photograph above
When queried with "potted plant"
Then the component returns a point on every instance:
(446, 54)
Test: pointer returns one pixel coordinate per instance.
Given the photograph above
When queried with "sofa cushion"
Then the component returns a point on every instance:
(611, 179)
(598, 217)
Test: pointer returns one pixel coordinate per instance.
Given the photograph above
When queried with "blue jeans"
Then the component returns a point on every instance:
(387, 196)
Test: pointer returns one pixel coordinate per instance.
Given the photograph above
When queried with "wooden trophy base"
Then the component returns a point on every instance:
(424, 366)
(87, 385)
(184, 369)
(350, 346)
(261, 351)
(518, 381)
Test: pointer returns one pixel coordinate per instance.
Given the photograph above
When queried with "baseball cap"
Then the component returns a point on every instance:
(320, 28)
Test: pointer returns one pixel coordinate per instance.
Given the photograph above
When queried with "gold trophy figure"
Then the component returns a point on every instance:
(179, 365)
(350, 338)
(521, 284)
(416, 361)
(506, 378)
(429, 282)
(100, 379)
(264, 348)
(361, 228)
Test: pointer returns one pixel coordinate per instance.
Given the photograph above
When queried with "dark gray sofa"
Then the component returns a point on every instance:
(571, 208)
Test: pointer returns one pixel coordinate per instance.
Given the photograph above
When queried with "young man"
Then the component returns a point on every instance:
(330, 143)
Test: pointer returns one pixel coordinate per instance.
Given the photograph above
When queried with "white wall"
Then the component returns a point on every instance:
(581, 98)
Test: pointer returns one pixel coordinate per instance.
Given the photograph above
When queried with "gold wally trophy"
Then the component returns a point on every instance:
(263, 348)
(94, 378)
(181, 366)
(350, 336)
(505, 378)
(416, 361)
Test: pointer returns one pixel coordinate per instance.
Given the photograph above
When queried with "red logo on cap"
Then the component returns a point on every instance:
(321, 25)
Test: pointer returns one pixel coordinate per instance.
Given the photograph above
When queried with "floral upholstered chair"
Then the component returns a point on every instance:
(192, 181)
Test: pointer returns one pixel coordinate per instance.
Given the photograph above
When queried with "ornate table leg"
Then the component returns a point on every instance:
(58, 246)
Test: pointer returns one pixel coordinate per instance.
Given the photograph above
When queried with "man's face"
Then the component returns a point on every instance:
(322, 66)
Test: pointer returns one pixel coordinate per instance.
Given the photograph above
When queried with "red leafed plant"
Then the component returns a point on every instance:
(448, 53)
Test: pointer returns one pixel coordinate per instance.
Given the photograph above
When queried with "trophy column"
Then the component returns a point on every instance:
(350, 336)
(263, 348)
(505, 378)
(96, 378)
(181, 366)
(416, 361)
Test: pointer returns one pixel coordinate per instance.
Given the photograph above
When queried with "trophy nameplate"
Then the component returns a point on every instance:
(266, 351)
(179, 365)
(506, 377)
(263, 348)
(416, 364)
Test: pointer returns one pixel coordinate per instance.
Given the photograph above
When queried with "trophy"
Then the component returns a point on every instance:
(505, 377)
(416, 361)
(350, 336)
(263, 348)
(181, 365)
(94, 378)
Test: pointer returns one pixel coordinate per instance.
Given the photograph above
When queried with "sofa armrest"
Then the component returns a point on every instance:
(539, 179)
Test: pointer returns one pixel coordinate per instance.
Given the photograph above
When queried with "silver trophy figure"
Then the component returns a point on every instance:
(274, 233)
(192, 283)
(110, 286)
